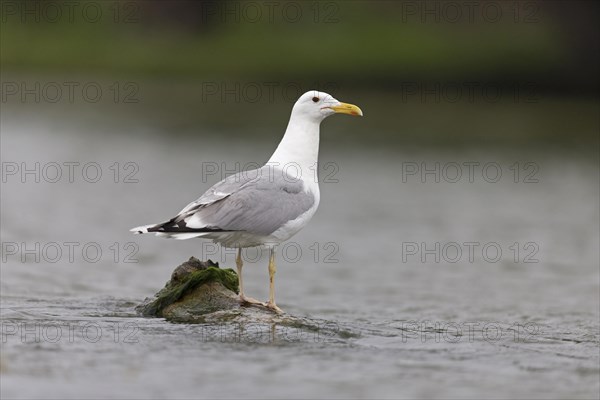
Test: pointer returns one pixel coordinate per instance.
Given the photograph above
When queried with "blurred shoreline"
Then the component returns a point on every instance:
(436, 115)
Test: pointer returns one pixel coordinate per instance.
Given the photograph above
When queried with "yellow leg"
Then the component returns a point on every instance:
(272, 269)
(239, 263)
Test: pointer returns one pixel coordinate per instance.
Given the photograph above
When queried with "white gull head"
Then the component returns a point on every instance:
(316, 106)
(300, 143)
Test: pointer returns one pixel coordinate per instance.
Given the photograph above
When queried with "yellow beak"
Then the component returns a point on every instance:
(350, 109)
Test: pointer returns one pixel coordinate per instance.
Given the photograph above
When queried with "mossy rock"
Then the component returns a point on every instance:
(199, 292)
(197, 287)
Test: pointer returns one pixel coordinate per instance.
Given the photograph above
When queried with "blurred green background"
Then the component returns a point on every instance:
(237, 66)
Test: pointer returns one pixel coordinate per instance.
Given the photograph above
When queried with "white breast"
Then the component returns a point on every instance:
(292, 227)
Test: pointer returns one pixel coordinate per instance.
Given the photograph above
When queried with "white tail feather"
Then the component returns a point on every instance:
(171, 235)
(180, 236)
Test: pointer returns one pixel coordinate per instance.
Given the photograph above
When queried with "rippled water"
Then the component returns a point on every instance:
(410, 269)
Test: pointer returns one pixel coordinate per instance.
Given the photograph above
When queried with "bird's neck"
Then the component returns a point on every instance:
(299, 148)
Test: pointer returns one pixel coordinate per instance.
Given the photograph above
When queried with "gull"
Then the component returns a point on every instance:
(268, 205)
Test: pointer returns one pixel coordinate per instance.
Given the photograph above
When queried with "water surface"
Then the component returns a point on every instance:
(425, 322)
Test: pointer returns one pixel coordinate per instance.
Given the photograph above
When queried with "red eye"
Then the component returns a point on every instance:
(315, 99)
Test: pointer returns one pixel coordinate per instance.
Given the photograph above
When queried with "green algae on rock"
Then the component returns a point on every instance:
(219, 287)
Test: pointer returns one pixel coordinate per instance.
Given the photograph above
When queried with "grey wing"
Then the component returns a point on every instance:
(261, 204)
(222, 189)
